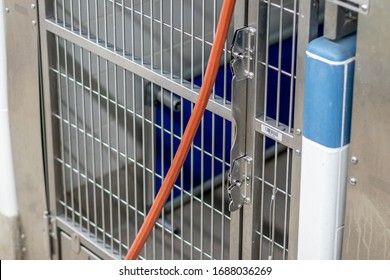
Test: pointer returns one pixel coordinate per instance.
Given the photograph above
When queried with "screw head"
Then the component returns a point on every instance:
(298, 152)
(354, 160)
(353, 181)
(364, 7)
(299, 132)
(7, 10)
(34, 23)
(33, 6)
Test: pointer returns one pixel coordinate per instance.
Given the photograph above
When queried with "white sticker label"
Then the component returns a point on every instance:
(271, 133)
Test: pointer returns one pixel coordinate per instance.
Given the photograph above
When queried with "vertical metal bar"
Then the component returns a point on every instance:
(192, 145)
(280, 54)
(151, 39)
(181, 131)
(142, 33)
(76, 133)
(292, 71)
(161, 38)
(223, 189)
(171, 125)
(127, 186)
(94, 173)
(102, 185)
(286, 204)
(273, 204)
(109, 153)
(152, 127)
(203, 38)
(308, 29)
(88, 19)
(153, 162)
(114, 24)
(97, 21)
(132, 32)
(55, 180)
(63, 13)
(266, 49)
(135, 134)
(69, 128)
(162, 123)
(213, 186)
(71, 16)
(171, 39)
(60, 105)
(105, 22)
(192, 47)
(214, 27)
(235, 240)
(258, 17)
(118, 168)
(80, 16)
(144, 141)
(84, 141)
(123, 29)
(173, 189)
(202, 133)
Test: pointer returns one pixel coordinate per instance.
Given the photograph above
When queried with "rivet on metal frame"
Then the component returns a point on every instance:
(354, 160)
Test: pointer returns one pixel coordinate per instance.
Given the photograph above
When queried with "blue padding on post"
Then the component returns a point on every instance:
(328, 91)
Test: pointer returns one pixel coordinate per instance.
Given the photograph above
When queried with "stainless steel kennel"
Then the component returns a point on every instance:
(120, 80)
(98, 94)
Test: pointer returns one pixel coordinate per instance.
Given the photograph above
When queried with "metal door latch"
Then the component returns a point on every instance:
(240, 182)
(242, 53)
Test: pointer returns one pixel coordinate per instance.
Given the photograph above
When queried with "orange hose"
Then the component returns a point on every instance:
(190, 131)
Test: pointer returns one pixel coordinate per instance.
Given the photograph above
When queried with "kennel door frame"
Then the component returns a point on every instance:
(49, 30)
(287, 137)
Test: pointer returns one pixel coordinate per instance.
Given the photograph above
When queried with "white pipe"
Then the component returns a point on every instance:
(8, 200)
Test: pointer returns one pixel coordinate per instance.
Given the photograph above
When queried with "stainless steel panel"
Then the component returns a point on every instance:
(70, 251)
(367, 226)
(25, 123)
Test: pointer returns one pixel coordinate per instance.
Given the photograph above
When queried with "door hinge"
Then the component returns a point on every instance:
(240, 182)
(242, 53)
(50, 223)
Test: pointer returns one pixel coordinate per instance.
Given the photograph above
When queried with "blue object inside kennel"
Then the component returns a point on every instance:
(164, 153)
(210, 146)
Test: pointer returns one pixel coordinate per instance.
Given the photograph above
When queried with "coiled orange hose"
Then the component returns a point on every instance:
(190, 131)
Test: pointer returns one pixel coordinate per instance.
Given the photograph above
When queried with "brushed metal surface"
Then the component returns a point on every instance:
(367, 227)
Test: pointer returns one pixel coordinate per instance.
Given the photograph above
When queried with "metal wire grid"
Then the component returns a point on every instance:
(106, 118)
(173, 38)
(278, 62)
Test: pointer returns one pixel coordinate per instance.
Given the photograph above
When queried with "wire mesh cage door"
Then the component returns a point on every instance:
(267, 164)
(120, 80)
